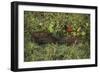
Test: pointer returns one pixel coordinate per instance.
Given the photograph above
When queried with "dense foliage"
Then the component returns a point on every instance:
(56, 23)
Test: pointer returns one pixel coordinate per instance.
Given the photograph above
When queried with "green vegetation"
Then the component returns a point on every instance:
(56, 24)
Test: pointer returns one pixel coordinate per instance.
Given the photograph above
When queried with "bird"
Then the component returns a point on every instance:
(69, 28)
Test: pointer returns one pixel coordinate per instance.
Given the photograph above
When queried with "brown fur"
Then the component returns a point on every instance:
(45, 37)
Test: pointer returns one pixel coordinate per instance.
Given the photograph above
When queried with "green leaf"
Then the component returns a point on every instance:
(51, 28)
(83, 33)
(74, 33)
(87, 24)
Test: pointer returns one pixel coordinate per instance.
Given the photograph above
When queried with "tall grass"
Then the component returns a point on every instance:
(35, 52)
